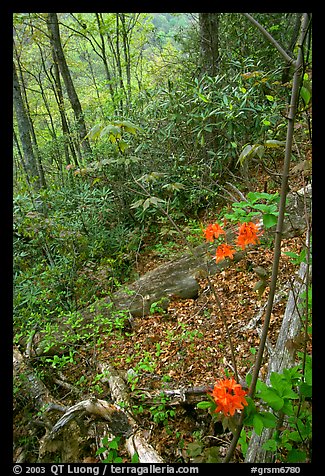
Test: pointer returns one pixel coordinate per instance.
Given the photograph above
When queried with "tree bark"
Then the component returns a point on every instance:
(53, 28)
(291, 46)
(25, 134)
(209, 42)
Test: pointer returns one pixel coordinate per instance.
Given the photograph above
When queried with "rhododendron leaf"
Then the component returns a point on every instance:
(270, 445)
(146, 203)
(137, 204)
(274, 143)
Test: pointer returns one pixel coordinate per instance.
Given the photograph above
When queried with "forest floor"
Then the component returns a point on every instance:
(185, 346)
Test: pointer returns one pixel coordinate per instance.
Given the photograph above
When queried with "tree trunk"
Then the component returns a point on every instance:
(209, 42)
(103, 56)
(25, 134)
(60, 102)
(287, 69)
(53, 28)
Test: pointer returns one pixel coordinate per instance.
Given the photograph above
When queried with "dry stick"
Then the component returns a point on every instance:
(278, 233)
(224, 321)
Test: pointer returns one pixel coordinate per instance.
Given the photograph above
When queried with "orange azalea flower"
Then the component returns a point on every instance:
(229, 396)
(248, 234)
(223, 251)
(213, 231)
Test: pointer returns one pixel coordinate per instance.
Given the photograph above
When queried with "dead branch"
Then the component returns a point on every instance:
(136, 442)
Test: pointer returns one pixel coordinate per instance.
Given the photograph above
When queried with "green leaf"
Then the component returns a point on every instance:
(137, 204)
(260, 151)
(212, 454)
(122, 145)
(270, 445)
(205, 405)
(269, 220)
(305, 94)
(101, 450)
(113, 444)
(269, 419)
(306, 390)
(94, 131)
(111, 130)
(204, 99)
(194, 449)
(272, 143)
(245, 153)
(271, 397)
(135, 458)
(128, 126)
(258, 424)
(156, 200)
(296, 456)
(146, 203)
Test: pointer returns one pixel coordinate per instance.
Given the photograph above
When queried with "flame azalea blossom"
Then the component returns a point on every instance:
(248, 234)
(223, 251)
(213, 231)
(229, 396)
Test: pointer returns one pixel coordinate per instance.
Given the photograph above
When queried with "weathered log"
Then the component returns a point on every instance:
(135, 442)
(282, 357)
(31, 386)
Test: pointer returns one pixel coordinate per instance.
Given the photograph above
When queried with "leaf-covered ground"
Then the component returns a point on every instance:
(185, 346)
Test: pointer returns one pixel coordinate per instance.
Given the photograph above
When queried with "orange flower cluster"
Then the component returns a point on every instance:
(248, 234)
(213, 231)
(223, 251)
(229, 396)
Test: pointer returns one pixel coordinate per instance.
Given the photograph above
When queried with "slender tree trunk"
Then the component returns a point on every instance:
(100, 22)
(209, 42)
(298, 65)
(30, 161)
(291, 46)
(118, 59)
(93, 77)
(21, 161)
(53, 28)
(68, 141)
(127, 59)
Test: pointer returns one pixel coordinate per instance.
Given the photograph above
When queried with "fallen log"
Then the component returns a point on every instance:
(30, 386)
(118, 417)
(136, 441)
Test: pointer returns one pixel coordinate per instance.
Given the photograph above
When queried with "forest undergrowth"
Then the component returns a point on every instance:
(182, 346)
(141, 139)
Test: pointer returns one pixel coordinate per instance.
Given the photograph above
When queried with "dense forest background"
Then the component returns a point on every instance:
(130, 128)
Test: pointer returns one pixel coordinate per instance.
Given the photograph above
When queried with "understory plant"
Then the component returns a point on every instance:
(283, 405)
